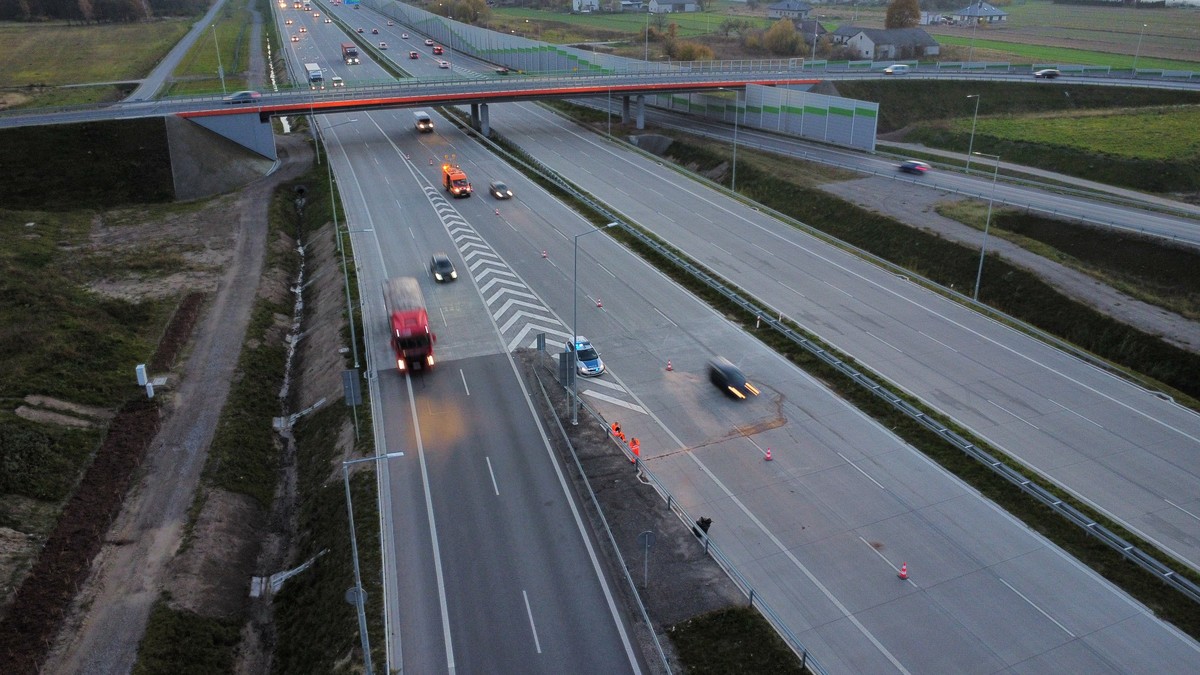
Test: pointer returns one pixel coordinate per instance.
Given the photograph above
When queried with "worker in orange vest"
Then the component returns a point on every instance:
(636, 447)
(616, 430)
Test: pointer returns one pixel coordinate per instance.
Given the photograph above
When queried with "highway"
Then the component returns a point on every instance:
(822, 528)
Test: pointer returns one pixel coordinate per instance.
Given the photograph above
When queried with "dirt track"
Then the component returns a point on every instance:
(102, 632)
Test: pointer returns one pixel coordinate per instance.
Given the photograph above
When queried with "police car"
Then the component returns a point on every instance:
(588, 360)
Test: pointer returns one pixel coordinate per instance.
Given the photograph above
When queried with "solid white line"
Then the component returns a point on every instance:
(437, 555)
(790, 289)
(615, 401)
(536, 642)
(861, 471)
(665, 317)
(466, 388)
(1012, 413)
(601, 266)
(721, 249)
(492, 474)
(1031, 604)
(884, 559)
(836, 288)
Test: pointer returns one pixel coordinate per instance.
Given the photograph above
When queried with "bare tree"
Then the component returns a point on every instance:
(903, 14)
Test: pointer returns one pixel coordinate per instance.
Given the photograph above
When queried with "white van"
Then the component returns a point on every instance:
(896, 69)
(424, 122)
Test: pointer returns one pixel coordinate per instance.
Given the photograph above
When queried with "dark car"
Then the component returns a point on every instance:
(247, 96)
(1046, 73)
(360, 30)
(729, 379)
(499, 190)
(374, 31)
(913, 166)
(441, 268)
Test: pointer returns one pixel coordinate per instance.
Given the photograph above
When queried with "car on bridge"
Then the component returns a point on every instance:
(896, 69)
(914, 167)
(246, 96)
(1046, 73)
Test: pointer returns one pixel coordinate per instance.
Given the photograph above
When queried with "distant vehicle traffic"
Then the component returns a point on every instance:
(383, 45)
(336, 81)
(437, 49)
(239, 97)
(896, 69)
(374, 31)
(414, 55)
(499, 190)
(729, 379)
(295, 38)
(1047, 73)
(443, 64)
(350, 53)
(303, 29)
(316, 79)
(424, 121)
(455, 180)
(914, 167)
(428, 42)
(412, 341)
(404, 35)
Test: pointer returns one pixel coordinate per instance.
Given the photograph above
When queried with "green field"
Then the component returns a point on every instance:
(1156, 133)
(58, 54)
(1026, 53)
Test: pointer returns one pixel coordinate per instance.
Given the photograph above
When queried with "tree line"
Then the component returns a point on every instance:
(98, 11)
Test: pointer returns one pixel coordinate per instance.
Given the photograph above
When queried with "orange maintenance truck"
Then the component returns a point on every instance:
(455, 180)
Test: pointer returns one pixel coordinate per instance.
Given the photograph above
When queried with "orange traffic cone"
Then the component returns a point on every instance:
(768, 456)
(497, 211)
(598, 303)
(903, 571)
(430, 161)
(669, 365)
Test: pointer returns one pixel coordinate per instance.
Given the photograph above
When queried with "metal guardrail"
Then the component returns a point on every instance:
(765, 313)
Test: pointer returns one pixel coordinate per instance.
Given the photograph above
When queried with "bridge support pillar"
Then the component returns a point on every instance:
(641, 111)
(480, 120)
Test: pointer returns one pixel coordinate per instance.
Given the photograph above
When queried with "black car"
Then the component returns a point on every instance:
(729, 379)
(914, 166)
(441, 268)
(500, 190)
(1046, 73)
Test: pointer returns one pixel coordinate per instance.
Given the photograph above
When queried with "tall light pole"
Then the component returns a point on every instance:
(974, 27)
(221, 69)
(971, 145)
(733, 174)
(357, 591)
(987, 224)
(646, 56)
(1138, 51)
(342, 249)
(814, 54)
(575, 327)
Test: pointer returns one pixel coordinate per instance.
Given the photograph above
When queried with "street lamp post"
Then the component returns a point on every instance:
(221, 69)
(814, 54)
(342, 249)
(987, 224)
(733, 173)
(646, 56)
(971, 145)
(359, 595)
(575, 327)
(1138, 51)
(974, 27)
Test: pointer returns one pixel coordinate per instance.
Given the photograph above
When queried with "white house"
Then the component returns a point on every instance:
(669, 6)
(881, 44)
(585, 6)
(981, 12)
(789, 9)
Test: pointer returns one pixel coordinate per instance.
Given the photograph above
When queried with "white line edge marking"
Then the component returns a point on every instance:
(532, 626)
(464, 379)
(1031, 604)
(492, 474)
(861, 471)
